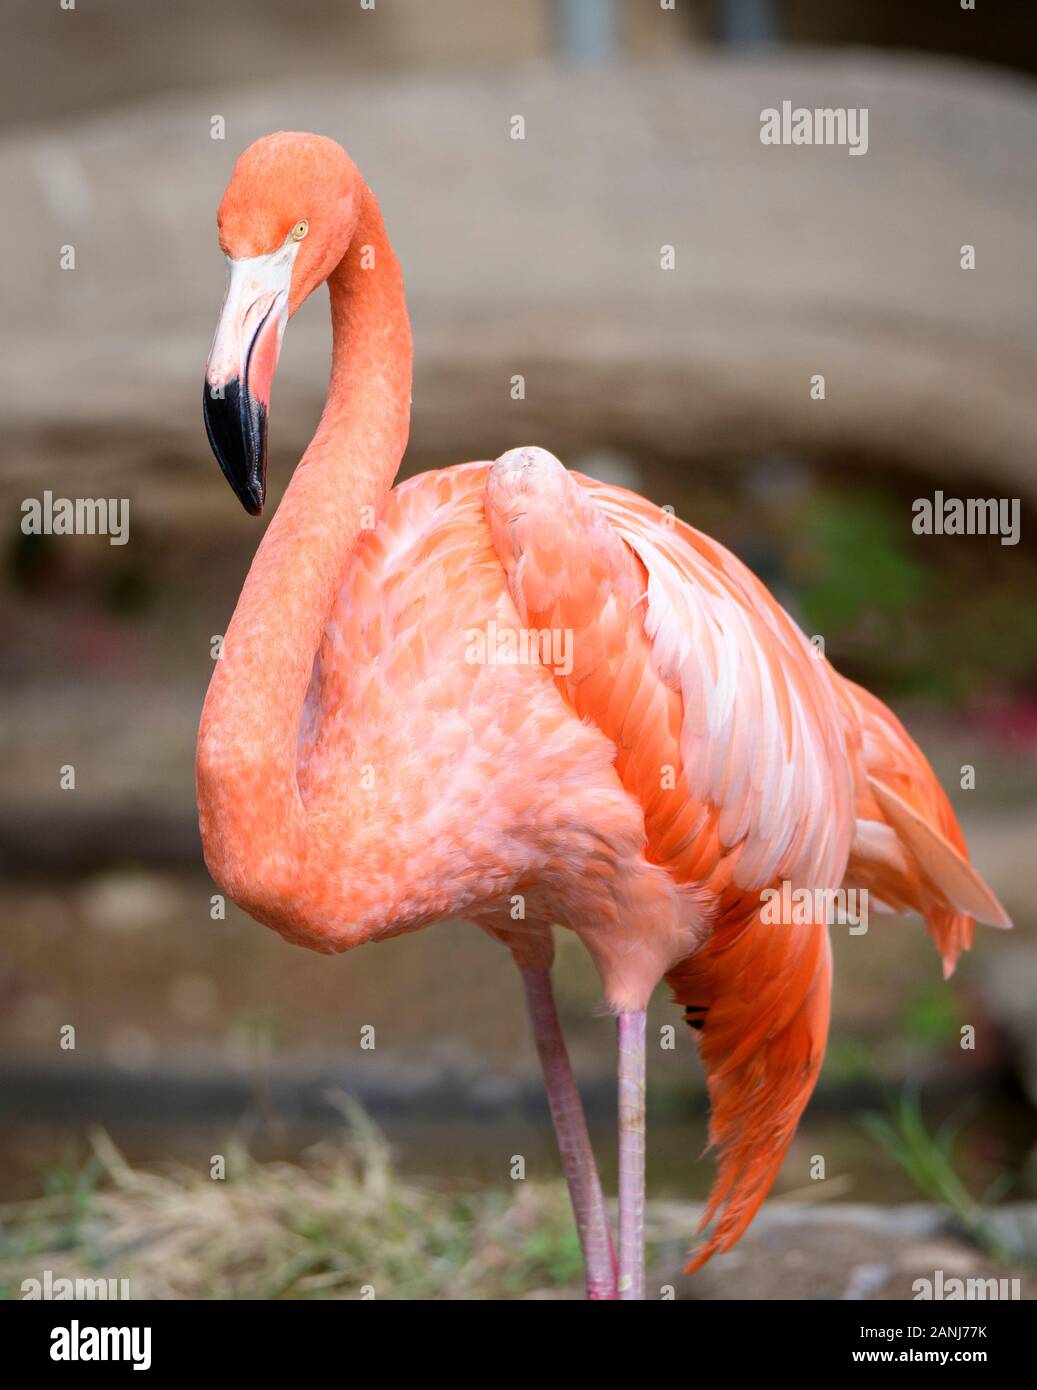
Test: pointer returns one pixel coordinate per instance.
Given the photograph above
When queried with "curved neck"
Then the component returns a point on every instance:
(249, 803)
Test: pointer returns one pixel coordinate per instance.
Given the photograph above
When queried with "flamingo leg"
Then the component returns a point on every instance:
(631, 1038)
(574, 1143)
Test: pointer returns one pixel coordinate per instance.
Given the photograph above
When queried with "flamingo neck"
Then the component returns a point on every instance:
(253, 822)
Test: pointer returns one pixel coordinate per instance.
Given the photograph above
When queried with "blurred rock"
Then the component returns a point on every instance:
(841, 1251)
(542, 257)
(1010, 977)
(127, 902)
(131, 1049)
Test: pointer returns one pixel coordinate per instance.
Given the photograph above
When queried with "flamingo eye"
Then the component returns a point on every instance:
(300, 229)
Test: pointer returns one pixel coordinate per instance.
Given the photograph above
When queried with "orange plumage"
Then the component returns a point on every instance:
(669, 750)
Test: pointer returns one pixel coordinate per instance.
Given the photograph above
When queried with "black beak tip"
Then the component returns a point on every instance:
(235, 423)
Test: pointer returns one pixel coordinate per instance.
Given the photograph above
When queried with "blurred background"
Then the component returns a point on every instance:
(538, 257)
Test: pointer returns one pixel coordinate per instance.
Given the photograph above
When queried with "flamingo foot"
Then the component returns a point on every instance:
(574, 1145)
(631, 1038)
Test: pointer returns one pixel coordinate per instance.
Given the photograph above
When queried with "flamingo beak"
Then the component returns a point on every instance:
(240, 370)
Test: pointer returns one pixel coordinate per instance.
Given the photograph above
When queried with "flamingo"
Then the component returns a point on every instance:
(677, 750)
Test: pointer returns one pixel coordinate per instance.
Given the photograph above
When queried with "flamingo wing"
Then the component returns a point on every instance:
(729, 733)
(908, 849)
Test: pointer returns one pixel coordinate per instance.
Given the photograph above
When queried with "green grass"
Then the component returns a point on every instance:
(341, 1224)
(930, 1161)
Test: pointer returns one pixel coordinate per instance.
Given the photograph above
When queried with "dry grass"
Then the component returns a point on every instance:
(333, 1226)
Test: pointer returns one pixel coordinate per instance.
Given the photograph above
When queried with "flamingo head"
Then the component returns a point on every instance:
(285, 222)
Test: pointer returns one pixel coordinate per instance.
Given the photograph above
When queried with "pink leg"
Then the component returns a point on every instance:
(631, 1037)
(574, 1143)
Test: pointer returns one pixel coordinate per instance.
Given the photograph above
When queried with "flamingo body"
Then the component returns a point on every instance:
(366, 767)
